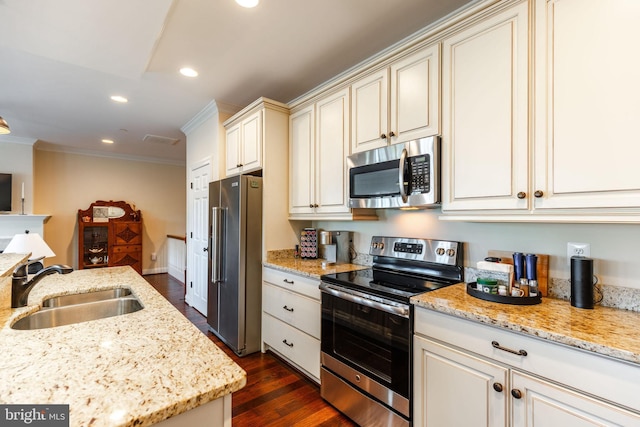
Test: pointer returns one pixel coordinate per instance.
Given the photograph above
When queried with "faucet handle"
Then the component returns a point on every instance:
(21, 270)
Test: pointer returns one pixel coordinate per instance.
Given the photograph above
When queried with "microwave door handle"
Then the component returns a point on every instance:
(403, 161)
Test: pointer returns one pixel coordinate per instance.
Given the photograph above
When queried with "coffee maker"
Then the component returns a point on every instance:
(335, 246)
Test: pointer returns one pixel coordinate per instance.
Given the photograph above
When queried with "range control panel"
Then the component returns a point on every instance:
(436, 251)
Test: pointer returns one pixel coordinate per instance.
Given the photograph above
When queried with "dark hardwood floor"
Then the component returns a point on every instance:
(275, 394)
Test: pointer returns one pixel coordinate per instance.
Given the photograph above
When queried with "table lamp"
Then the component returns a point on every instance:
(30, 243)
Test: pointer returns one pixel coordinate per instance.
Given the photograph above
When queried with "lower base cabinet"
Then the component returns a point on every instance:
(462, 379)
(291, 319)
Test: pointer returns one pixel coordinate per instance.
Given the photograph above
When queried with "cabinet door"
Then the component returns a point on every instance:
(485, 113)
(415, 95)
(454, 388)
(301, 161)
(545, 404)
(233, 150)
(587, 108)
(251, 146)
(332, 148)
(370, 112)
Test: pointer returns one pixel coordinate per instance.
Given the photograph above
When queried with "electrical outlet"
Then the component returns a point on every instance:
(577, 249)
(154, 256)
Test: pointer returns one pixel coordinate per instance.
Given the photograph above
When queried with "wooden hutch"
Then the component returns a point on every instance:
(109, 235)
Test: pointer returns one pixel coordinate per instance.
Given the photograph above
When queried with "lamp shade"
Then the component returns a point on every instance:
(4, 127)
(29, 243)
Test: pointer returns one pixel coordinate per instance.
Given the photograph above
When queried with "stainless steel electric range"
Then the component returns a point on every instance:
(367, 326)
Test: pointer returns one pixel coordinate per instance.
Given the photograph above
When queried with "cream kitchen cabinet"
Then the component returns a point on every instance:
(566, 153)
(442, 373)
(253, 133)
(291, 319)
(586, 104)
(244, 145)
(467, 373)
(398, 103)
(319, 145)
(485, 113)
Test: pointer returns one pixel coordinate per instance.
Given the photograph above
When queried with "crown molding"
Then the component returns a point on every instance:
(18, 140)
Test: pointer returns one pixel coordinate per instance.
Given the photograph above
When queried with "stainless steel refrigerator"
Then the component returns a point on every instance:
(235, 262)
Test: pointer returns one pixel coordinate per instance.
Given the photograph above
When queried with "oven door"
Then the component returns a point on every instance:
(370, 337)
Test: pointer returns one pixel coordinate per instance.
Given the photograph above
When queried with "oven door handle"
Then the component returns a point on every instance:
(399, 311)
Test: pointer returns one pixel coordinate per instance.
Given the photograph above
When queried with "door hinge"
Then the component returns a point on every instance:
(191, 284)
(191, 234)
(191, 185)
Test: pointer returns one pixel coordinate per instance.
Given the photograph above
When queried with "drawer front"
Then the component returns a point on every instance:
(120, 249)
(299, 311)
(303, 285)
(600, 376)
(301, 349)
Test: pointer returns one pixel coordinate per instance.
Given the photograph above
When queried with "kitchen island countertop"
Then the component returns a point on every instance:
(603, 330)
(135, 369)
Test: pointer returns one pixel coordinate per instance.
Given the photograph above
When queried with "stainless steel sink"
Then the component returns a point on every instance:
(77, 313)
(72, 299)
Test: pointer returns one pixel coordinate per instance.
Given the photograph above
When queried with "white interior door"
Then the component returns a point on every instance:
(197, 243)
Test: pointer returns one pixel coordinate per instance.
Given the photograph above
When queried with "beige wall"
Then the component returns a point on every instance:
(64, 183)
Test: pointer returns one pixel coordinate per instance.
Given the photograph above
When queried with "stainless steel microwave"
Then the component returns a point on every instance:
(398, 176)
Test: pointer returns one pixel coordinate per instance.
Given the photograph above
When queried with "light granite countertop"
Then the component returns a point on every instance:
(284, 261)
(135, 369)
(603, 330)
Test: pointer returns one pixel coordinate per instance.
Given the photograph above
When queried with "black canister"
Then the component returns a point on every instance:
(581, 282)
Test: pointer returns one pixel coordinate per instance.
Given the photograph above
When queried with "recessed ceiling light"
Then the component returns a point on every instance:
(107, 141)
(248, 3)
(188, 72)
(118, 98)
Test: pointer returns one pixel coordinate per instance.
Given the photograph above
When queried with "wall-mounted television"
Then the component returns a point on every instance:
(5, 192)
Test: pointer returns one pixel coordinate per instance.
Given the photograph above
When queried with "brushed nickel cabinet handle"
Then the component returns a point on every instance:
(287, 343)
(497, 345)
(288, 309)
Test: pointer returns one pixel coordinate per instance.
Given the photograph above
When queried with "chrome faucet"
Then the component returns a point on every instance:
(21, 286)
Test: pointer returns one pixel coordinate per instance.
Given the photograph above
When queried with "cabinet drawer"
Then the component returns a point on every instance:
(303, 285)
(601, 376)
(120, 249)
(299, 311)
(301, 349)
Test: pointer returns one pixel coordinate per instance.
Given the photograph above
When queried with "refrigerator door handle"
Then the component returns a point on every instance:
(217, 233)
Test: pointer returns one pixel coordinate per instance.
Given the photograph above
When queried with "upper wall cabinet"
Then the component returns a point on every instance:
(319, 145)
(485, 113)
(567, 153)
(398, 103)
(586, 104)
(244, 145)
(257, 138)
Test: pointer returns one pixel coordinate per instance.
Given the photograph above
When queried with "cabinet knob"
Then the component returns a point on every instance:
(391, 134)
(521, 195)
(538, 194)
(311, 205)
(516, 393)
(383, 136)
(497, 387)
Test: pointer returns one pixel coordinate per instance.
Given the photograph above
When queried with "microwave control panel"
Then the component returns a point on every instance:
(420, 174)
